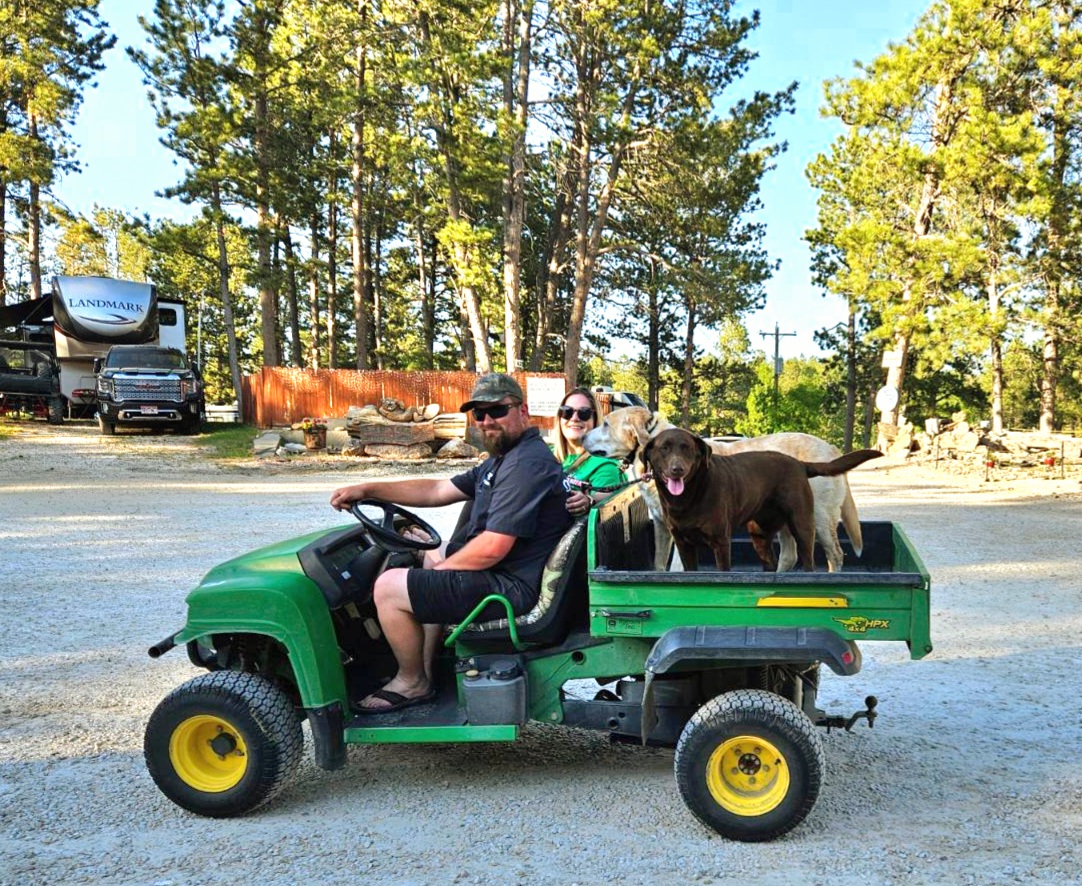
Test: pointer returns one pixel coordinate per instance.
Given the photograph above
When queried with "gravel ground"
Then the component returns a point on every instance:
(971, 774)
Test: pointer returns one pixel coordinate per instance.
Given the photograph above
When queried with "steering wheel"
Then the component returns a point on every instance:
(383, 532)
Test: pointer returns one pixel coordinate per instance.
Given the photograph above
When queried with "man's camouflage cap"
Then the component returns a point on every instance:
(492, 388)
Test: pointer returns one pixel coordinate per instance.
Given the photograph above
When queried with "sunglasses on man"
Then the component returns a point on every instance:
(498, 410)
(585, 413)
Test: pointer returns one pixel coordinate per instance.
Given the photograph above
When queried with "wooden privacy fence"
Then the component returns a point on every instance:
(276, 396)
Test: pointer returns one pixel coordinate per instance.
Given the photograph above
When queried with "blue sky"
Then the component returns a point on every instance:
(805, 40)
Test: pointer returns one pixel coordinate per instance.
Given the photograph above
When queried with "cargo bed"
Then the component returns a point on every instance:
(881, 595)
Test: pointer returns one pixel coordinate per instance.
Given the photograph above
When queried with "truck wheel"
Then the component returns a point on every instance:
(749, 764)
(223, 744)
(56, 410)
(106, 428)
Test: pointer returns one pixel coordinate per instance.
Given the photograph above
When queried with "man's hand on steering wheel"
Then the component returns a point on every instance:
(417, 536)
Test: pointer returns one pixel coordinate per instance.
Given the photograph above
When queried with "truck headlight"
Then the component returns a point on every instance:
(188, 386)
(106, 387)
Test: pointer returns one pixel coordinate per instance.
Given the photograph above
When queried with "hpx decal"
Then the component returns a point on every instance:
(858, 624)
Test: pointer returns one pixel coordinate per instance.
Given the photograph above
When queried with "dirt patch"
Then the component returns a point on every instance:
(967, 777)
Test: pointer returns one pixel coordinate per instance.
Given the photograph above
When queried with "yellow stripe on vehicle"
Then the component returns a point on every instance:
(805, 602)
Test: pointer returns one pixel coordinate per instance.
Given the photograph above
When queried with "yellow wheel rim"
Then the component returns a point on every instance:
(747, 776)
(208, 753)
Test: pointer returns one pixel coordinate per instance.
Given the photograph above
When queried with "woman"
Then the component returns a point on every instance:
(590, 477)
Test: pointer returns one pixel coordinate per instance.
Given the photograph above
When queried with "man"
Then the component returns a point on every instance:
(517, 517)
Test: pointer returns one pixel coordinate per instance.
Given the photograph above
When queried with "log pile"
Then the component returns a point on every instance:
(392, 430)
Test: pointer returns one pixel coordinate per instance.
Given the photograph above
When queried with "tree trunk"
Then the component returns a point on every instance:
(850, 379)
(296, 356)
(548, 275)
(461, 254)
(653, 346)
(1055, 260)
(589, 230)
(315, 346)
(33, 225)
(941, 135)
(360, 263)
(227, 300)
(332, 260)
(268, 298)
(995, 352)
(689, 367)
(516, 95)
(428, 304)
(3, 242)
(378, 308)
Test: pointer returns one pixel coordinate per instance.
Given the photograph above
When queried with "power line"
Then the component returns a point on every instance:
(777, 334)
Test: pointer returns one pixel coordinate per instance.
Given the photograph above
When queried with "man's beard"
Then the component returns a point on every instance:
(499, 441)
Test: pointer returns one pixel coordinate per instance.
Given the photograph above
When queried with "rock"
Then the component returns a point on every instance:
(966, 442)
(457, 449)
(412, 452)
(267, 444)
(292, 449)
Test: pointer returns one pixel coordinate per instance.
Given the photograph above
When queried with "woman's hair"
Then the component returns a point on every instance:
(559, 441)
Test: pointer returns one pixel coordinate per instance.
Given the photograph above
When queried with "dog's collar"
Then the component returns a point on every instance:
(650, 425)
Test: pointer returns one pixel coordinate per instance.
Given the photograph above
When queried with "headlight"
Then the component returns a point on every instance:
(188, 386)
(106, 387)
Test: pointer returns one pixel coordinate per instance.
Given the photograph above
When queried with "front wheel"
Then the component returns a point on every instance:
(749, 764)
(223, 744)
(105, 428)
(56, 410)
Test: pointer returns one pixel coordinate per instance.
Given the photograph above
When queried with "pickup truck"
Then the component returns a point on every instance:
(725, 666)
(148, 385)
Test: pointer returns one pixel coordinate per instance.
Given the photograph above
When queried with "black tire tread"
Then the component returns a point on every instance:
(272, 710)
(766, 709)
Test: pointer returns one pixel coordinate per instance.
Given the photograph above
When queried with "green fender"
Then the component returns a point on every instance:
(284, 605)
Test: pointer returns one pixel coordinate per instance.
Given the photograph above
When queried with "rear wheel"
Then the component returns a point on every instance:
(749, 764)
(105, 427)
(223, 744)
(56, 410)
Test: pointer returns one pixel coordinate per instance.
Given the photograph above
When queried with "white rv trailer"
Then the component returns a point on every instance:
(91, 314)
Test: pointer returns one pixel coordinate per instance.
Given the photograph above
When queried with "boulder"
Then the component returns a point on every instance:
(457, 449)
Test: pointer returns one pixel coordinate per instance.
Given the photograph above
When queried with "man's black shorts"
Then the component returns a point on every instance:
(447, 596)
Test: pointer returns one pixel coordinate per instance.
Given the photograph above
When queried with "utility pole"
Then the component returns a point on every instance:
(777, 369)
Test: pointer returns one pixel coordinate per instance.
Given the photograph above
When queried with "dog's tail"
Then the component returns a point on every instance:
(840, 465)
(851, 521)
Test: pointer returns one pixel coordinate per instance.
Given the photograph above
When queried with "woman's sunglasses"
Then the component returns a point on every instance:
(585, 413)
(480, 413)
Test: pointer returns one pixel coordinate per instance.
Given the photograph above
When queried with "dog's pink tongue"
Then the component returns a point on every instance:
(674, 485)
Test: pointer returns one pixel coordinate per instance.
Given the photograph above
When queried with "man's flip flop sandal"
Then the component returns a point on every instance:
(395, 701)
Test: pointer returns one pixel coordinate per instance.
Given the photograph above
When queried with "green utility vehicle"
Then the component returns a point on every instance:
(723, 666)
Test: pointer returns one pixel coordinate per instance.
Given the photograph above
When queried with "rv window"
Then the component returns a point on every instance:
(167, 317)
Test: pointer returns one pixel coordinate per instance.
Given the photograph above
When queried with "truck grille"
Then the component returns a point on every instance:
(148, 389)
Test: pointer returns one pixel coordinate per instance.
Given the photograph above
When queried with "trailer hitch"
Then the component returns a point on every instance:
(869, 713)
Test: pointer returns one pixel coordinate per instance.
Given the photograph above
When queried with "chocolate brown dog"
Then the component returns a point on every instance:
(705, 496)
